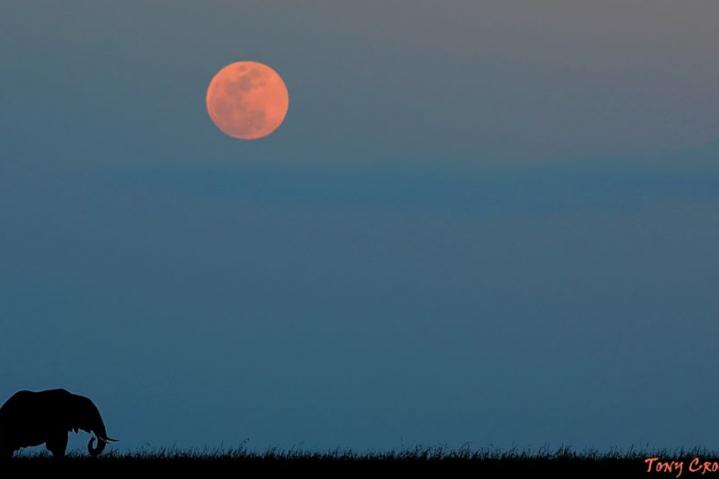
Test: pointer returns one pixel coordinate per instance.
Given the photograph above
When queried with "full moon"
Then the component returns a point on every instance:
(247, 100)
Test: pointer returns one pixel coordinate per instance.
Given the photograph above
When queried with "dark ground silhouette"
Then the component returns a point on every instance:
(561, 463)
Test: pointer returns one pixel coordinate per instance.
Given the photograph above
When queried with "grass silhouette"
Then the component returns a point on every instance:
(563, 462)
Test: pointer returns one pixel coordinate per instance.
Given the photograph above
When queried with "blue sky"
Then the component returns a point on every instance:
(491, 224)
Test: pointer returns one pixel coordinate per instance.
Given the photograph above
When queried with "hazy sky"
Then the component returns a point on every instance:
(484, 223)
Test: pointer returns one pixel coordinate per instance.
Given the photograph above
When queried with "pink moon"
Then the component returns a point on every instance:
(247, 100)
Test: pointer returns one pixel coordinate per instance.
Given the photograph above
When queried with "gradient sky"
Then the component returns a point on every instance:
(489, 223)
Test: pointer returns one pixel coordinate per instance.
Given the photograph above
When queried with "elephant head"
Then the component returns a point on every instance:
(83, 414)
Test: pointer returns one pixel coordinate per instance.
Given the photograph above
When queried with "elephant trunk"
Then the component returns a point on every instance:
(99, 431)
(94, 451)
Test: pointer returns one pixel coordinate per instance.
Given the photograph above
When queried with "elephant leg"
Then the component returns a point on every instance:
(57, 444)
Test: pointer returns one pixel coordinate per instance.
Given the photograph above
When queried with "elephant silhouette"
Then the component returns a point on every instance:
(31, 418)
